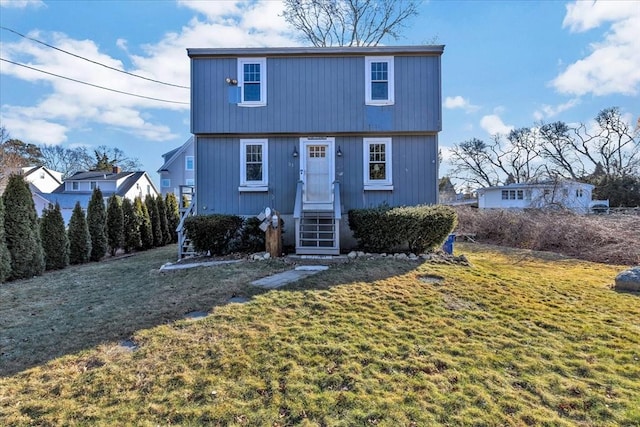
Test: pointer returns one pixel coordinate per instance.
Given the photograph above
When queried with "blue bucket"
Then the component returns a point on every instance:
(448, 244)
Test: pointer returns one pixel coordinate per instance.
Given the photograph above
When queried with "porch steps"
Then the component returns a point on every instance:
(317, 233)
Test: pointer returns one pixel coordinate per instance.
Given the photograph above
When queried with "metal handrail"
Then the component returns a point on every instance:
(297, 207)
(337, 205)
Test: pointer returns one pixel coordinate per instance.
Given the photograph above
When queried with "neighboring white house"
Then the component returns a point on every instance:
(572, 195)
(79, 188)
(43, 179)
(178, 169)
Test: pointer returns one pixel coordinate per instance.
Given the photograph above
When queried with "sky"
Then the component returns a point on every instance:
(506, 65)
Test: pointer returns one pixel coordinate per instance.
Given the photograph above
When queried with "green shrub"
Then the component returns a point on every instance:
(173, 215)
(154, 217)
(55, 242)
(164, 224)
(418, 228)
(79, 237)
(146, 231)
(97, 220)
(115, 224)
(131, 227)
(5, 257)
(251, 238)
(213, 233)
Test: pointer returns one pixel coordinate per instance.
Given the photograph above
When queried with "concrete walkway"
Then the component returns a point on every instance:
(286, 277)
(182, 266)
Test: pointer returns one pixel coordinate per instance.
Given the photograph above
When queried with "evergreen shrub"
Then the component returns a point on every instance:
(96, 220)
(55, 242)
(115, 224)
(213, 233)
(418, 228)
(131, 227)
(5, 257)
(79, 237)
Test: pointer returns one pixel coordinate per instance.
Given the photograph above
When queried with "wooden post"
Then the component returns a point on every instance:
(273, 237)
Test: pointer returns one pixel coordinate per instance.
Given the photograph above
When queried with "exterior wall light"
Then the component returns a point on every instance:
(295, 151)
(231, 81)
(339, 152)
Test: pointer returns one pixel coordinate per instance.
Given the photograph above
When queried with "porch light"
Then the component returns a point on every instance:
(231, 81)
(339, 152)
(295, 151)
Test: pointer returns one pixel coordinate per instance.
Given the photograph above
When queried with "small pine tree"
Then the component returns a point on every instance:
(79, 237)
(152, 208)
(5, 257)
(164, 225)
(173, 215)
(130, 227)
(146, 232)
(96, 220)
(115, 224)
(21, 230)
(55, 242)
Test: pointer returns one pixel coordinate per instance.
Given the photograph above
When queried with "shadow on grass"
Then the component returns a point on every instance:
(75, 309)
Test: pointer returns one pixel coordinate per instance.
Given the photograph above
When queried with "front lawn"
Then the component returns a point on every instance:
(520, 338)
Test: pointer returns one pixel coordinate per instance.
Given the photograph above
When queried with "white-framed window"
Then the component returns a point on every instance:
(190, 181)
(93, 185)
(188, 163)
(252, 80)
(512, 194)
(254, 164)
(377, 164)
(379, 89)
(74, 185)
(165, 183)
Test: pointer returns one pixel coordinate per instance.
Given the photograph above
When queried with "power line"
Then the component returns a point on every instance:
(92, 61)
(91, 84)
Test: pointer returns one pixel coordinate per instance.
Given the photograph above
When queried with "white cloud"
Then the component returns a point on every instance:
(613, 66)
(452, 102)
(70, 105)
(22, 4)
(35, 131)
(548, 111)
(494, 125)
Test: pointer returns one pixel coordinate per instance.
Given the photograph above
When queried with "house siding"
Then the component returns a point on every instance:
(317, 95)
(414, 160)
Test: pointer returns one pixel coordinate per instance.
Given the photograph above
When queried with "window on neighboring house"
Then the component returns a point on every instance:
(512, 194)
(165, 183)
(377, 164)
(190, 182)
(93, 185)
(579, 192)
(74, 185)
(252, 80)
(254, 164)
(505, 194)
(379, 89)
(188, 163)
(148, 189)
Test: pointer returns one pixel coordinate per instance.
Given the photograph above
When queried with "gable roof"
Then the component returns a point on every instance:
(130, 179)
(29, 170)
(173, 155)
(98, 176)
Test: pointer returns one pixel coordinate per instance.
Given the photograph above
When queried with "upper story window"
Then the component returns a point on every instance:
(377, 164)
(188, 163)
(252, 80)
(165, 183)
(190, 181)
(254, 164)
(379, 89)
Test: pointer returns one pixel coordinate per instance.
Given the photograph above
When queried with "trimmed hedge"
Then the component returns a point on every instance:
(213, 233)
(419, 228)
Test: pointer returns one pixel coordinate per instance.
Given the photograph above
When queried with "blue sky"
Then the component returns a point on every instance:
(506, 64)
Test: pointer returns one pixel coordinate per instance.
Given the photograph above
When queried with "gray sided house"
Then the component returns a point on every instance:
(315, 132)
(178, 169)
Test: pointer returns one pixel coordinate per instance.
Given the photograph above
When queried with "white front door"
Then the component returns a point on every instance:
(317, 171)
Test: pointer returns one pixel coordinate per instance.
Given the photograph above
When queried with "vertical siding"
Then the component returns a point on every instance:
(315, 95)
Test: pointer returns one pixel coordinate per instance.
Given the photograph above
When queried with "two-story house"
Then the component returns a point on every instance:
(315, 132)
(178, 169)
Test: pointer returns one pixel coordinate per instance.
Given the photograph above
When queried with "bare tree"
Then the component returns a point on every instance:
(472, 163)
(66, 160)
(349, 22)
(556, 145)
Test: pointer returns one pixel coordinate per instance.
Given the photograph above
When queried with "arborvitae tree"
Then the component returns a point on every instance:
(146, 232)
(131, 227)
(173, 215)
(96, 220)
(79, 237)
(164, 225)
(21, 230)
(55, 242)
(152, 208)
(5, 257)
(115, 224)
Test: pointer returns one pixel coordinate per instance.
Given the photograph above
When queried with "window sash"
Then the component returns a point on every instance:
(377, 162)
(252, 80)
(165, 183)
(253, 162)
(188, 163)
(379, 75)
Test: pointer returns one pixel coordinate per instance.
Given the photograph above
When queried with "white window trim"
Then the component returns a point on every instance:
(263, 81)
(166, 181)
(256, 186)
(190, 181)
(367, 78)
(377, 184)
(186, 163)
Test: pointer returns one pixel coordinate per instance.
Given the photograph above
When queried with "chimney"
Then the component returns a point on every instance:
(116, 169)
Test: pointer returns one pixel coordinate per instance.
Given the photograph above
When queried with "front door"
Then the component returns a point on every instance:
(317, 171)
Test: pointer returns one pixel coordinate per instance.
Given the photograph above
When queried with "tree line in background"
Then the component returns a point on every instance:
(16, 154)
(605, 154)
(30, 245)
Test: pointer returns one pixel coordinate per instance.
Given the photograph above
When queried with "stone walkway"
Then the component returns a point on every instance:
(286, 277)
(182, 266)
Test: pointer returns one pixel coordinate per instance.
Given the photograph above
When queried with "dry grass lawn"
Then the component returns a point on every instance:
(520, 338)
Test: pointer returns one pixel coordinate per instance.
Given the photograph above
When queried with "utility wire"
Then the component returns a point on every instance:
(91, 84)
(90, 60)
